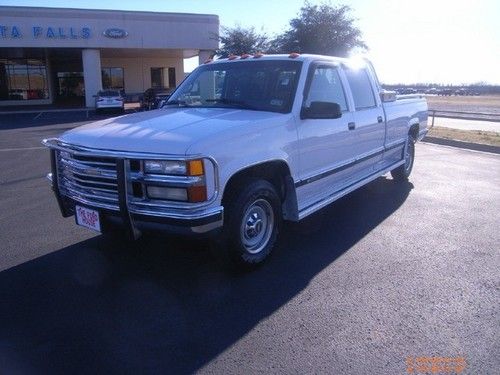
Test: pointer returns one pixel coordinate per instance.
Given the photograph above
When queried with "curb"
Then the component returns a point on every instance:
(33, 111)
(461, 144)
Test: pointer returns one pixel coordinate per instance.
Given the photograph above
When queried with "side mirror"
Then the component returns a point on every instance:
(321, 110)
(387, 96)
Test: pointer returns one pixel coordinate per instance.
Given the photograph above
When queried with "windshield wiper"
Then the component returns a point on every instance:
(231, 102)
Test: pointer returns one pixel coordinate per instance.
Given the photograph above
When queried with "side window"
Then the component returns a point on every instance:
(326, 87)
(361, 88)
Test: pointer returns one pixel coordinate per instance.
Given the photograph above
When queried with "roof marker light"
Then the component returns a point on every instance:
(245, 56)
(232, 57)
(257, 55)
(294, 55)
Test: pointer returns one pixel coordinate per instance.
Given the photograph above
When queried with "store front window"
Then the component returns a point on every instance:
(70, 85)
(157, 77)
(23, 79)
(112, 78)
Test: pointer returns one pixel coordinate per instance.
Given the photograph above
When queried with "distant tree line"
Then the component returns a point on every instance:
(320, 29)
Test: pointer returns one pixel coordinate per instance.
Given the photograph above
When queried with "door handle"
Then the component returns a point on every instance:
(380, 119)
(351, 125)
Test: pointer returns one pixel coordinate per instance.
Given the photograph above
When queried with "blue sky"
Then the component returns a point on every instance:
(446, 41)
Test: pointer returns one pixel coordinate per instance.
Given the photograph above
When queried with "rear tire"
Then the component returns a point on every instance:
(252, 219)
(402, 173)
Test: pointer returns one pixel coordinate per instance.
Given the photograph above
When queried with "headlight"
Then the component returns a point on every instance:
(194, 171)
(165, 167)
(176, 167)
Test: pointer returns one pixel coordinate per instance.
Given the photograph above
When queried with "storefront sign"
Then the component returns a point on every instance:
(53, 32)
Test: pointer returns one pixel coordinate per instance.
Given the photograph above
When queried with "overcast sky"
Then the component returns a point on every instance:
(444, 41)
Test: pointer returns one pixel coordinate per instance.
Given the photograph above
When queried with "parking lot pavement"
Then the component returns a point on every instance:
(389, 273)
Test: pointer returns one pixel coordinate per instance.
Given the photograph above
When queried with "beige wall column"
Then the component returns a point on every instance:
(204, 55)
(91, 59)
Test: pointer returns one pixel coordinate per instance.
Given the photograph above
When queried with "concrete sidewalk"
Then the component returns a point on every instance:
(462, 124)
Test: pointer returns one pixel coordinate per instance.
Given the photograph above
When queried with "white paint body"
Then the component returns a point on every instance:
(237, 139)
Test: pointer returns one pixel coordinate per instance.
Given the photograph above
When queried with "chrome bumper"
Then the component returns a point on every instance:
(121, 206)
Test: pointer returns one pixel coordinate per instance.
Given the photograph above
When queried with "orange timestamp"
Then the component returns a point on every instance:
(435, 365)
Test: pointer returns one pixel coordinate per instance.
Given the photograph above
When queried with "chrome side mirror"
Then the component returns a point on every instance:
(387, 96)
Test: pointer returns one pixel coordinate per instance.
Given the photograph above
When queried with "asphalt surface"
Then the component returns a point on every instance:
(389, 272)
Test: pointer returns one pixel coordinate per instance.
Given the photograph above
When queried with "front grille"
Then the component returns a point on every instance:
(88, 179)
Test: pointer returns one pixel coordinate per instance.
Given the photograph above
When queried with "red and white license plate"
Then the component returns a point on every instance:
(87, 218)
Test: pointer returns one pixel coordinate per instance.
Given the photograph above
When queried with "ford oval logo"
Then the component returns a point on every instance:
(115, 33)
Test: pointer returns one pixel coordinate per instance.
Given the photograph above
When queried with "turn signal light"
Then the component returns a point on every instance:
(195, 168)
(197, 193)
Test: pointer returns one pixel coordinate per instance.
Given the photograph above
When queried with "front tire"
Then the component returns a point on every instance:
(402, 173)
(252, 221)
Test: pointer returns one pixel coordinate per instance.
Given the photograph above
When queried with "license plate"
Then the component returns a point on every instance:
(88, 218)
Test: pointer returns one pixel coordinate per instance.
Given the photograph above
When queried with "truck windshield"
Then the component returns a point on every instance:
(254, 85)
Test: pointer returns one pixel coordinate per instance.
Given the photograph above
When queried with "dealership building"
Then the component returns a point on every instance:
(65, 56)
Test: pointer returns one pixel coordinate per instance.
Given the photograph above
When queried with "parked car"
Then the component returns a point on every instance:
(408, 91)
(109, 99)
(445, 92)
(286, 136)
(153, 97)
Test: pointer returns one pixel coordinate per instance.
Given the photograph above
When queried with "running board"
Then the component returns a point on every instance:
(339, 194)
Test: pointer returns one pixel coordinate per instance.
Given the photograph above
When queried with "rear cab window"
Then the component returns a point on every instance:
(361, 88)
(109, 93)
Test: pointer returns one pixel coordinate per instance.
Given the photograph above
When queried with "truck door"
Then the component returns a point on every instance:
(326, 145)
(369, 122)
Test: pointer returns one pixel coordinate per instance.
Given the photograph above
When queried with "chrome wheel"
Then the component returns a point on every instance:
(409, 156)
(257, 226)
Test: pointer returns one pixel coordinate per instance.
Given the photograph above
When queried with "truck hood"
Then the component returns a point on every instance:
(169, 130)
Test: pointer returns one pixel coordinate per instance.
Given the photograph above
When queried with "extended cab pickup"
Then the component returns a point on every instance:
(242, 145)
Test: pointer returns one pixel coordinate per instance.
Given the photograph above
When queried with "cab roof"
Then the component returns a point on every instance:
(292, 56)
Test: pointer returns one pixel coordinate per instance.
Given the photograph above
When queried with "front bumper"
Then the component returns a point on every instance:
(130, 212)
(138, 224)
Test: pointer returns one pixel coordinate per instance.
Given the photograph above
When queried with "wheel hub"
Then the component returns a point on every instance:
(254, 225)
(408, 158)
(257, 226)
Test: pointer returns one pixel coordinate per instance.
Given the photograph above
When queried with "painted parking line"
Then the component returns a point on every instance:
(22, 149)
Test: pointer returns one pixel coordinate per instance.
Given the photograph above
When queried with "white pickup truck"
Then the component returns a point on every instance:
(242, 145)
